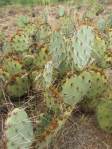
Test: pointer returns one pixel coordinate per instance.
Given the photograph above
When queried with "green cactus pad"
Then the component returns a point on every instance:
(98, 85)
(102, 58)
(19, 130)
(82, 47)
(57, 49)
(104, 115)
(106, 61)
(30, 30)
(99, 47)
(18, 86)
(101, 24)
(23, 39)
(22, 21)
(41, 58)
(12, 66)
(93, 10)
(110, 40)
(61, 11)
(75, 88)
(67, 26)
(109, 21)
(20, 43)
(43, 33)
(89, 83)
(28, 61)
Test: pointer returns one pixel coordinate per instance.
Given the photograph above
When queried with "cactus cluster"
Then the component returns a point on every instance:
(67, 65)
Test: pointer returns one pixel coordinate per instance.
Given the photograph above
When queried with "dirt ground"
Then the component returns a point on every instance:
(79, 132)
(82, 132)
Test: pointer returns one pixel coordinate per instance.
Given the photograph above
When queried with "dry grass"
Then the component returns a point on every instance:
(81, 132)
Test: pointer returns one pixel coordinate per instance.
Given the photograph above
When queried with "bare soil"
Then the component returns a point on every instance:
(82, 132)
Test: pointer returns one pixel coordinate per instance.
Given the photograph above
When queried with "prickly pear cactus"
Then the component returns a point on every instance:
(57, 49)
(22, 40)
(107, 62)
(18, 86)
(99, 50)
(19, 130)
(82, 47)
(20, 43)
(61, 11)
(101, 24)
(104, 115)
(12, 66)
(102, 57)
(110, 40)
(109, 21)
(28, 62)
(22, 21)
(41, 57)
(30, 30)
(73, 90)
(67, 26)
(98, 85)
(43, 33)
(93, 10)
(62, 61)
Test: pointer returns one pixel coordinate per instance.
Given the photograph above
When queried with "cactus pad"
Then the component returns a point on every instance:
(88, 83)
(101, 24)
(73, 90)
(12, 66)
(98, 85)
(20, 43)
(104, 115)
(19, 130)
(82, 47)
(57, 49)
(18, 86)
(28, 61)
(67, 26)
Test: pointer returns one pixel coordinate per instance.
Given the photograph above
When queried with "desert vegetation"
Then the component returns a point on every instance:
(55, 62)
